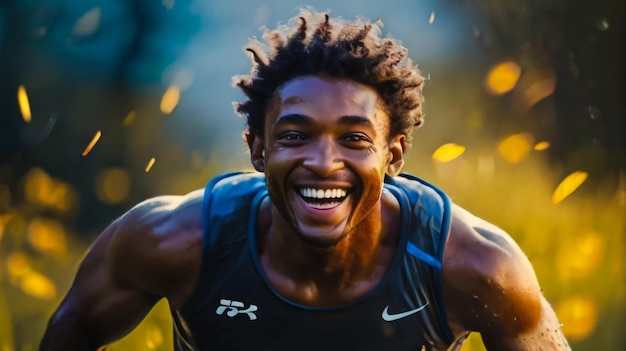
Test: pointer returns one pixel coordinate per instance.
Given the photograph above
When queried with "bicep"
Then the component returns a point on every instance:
(490, 287)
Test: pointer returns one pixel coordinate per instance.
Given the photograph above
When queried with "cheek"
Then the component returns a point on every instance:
(278, 162)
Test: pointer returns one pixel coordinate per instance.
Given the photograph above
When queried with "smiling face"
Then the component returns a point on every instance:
(325, 152)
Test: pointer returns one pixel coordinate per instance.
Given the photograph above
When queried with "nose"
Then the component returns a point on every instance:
(324, 158)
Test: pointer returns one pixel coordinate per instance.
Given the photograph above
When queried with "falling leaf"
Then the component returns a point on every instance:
(150, 164)
(542, 145)
(568, 186)
(92, 143)
(130, 118)
(448, 152)
(88, 23)
(22, 99)
(170, 99)
(432, 18)
(503, 77)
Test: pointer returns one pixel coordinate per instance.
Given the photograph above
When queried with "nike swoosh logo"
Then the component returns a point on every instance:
(392, 317)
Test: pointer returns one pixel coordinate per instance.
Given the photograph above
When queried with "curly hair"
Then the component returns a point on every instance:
(315, 44)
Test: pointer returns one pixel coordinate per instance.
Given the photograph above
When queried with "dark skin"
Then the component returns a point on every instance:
(327, 135)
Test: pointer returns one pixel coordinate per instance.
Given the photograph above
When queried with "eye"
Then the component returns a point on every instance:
(356, 137)
(291, 137)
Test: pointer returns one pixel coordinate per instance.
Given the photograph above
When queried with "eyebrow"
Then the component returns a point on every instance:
(292, 118)
(298, 119)
(293, 100)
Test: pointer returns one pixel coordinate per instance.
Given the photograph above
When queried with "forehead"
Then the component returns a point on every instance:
(338, 95)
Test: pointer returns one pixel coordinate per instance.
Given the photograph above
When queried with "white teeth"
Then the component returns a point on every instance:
(323, 194)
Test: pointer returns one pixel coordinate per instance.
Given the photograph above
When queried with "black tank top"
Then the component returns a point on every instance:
(234, 307)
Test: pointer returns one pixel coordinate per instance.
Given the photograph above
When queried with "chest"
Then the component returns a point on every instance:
(239, 310)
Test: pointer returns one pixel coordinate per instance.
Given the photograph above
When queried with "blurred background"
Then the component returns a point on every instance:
(106, 103)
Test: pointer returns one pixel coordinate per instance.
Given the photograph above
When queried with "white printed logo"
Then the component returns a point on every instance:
(233, 308)
(392, 317)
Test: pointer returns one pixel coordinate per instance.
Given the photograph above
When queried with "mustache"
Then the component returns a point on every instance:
(338, 176)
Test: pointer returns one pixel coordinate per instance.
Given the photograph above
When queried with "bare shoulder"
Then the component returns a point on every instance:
(490, 286)
(157, 246)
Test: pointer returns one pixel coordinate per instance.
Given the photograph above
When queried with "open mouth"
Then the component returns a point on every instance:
(323, 199)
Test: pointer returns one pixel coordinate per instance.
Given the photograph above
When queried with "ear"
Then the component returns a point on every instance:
(397, 147)
(257, 152)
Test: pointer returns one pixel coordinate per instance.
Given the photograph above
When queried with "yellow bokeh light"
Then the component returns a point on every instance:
(47, 236)
(170, 99)
(18, 264)
(542, 145)
(568, 186)
(38, 285)
(432, 18)
(516, 147)
(582, 257)
(44, 190)
(448, 152)
(113, 185)
(503, 77)
(22, 99)
(579, 316)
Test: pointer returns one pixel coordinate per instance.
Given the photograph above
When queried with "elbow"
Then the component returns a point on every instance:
(66, 330)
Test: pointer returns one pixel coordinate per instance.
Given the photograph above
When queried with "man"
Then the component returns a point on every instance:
(329, 246)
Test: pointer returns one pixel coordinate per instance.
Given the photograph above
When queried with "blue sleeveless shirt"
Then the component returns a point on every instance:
(234, 307)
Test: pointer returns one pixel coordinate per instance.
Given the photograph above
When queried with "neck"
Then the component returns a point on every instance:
(334, 274)
(352, 259)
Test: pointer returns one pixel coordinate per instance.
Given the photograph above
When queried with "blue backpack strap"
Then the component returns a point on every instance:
(430, 224)
(431, 206)
(227, 198)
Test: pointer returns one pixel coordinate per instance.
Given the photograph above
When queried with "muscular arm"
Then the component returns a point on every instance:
(151, 252)
(490, 287)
